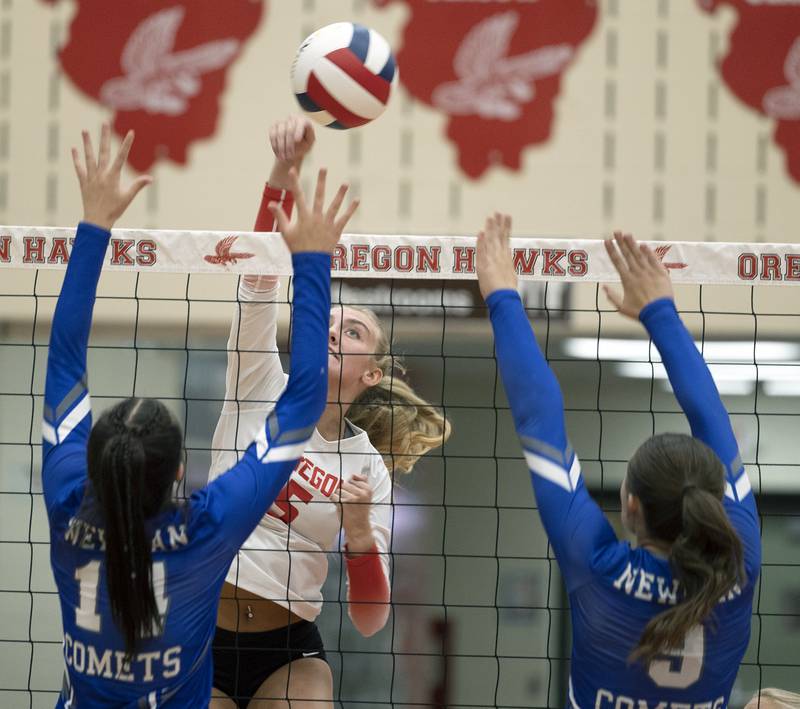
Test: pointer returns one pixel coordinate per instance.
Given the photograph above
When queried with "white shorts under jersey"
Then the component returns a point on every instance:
(285, 558)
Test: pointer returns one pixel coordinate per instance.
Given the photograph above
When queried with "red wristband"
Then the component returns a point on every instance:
(368, 592)
(264, 220)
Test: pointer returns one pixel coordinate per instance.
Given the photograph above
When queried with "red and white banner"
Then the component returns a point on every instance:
(401, 256)
(159, 67)
(494, 68)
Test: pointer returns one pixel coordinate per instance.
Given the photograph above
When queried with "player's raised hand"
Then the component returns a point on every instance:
(316, 228)
(644, 277)
(104, 199)
(495, 264)
(292, 139)
(355, 495)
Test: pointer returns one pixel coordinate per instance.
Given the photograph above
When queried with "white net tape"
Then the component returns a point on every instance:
(400, 256)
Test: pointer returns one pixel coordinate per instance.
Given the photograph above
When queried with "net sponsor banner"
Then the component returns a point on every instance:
(399, 256)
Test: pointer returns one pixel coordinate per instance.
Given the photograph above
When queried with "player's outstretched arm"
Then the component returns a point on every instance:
(255, 327)
(532, 388)
(648, 297)
(239, 498)
(254, 375)
(67, 409)
(574, 523)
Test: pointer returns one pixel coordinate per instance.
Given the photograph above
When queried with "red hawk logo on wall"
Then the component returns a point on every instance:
(160, 66)
(762, 66)
(494, 68)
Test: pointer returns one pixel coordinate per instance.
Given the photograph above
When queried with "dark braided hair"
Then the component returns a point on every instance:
(134, 455)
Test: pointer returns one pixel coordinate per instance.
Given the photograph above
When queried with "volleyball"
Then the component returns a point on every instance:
(343, 75)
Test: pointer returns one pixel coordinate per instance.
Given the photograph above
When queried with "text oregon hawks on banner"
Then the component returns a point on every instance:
(404, 258)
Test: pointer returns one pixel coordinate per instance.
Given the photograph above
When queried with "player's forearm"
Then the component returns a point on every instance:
(303, 400)
(253, 360)
(255, 325)
(532, 389)
(690, 377)
(72, 319)
(368, 591)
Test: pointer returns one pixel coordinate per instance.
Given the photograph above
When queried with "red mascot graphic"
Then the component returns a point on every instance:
(160, 66)
(494, 67)
(762, 66)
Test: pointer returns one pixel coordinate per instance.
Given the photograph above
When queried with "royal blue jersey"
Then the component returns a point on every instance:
(193, 543)
(615, 590)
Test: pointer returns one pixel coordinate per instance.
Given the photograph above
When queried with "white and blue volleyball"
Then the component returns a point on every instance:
(343, 75)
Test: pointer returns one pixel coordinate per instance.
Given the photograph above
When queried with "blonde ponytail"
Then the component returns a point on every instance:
(400, 424)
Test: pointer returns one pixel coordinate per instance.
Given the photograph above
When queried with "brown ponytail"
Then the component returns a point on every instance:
(680, 482)
(400, 424)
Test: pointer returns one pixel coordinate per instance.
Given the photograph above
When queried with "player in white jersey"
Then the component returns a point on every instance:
(267, 645)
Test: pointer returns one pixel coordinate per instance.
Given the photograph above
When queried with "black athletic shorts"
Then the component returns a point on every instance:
(242, 661)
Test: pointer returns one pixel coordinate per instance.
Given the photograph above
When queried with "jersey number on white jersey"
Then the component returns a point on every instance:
(682, 667)
(86, 615)
(288, 510)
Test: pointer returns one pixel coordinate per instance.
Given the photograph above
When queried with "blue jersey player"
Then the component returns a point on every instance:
(663, 624)
(138, 575)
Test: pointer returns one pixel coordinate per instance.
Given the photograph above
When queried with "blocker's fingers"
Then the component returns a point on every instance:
(614, 297)
(80, 170)
(280, 216)
(614, 254)
(88, 154)
(138, 185)
(319, 192)
(632, 253)
(506, 230)
(105, 146)
(624, 250)
(341, 222)
(652, 260)
(336, 203)
(124, 150)
(489, 231)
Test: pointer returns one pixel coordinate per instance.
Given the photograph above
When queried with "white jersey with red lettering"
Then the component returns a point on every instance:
(285, 558)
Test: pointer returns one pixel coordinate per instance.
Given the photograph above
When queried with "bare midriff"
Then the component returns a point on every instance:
(242, 611)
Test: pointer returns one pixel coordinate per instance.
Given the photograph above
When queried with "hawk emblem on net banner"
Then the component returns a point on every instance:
(661, 252)
(223, 254)
(761, 67)
(493, 68)
(159, 67)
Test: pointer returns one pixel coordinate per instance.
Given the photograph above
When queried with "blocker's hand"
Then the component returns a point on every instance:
(494, 262)
(644, 277)
(313, 230)
(104, 200)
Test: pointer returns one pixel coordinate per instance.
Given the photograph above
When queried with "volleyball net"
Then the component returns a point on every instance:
(479, 616)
